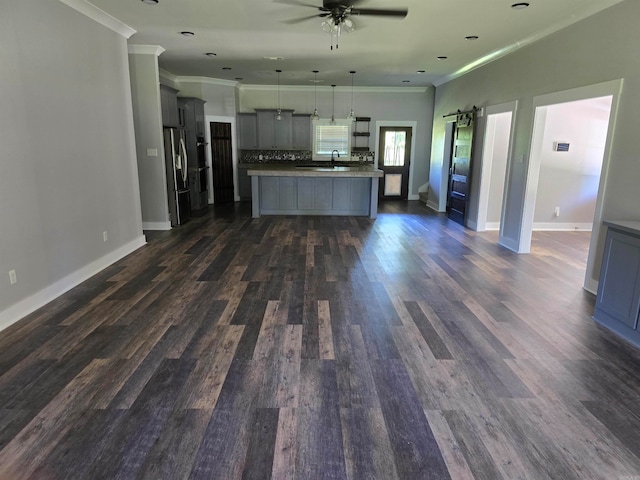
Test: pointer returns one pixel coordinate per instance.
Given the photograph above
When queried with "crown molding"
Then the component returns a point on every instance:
(100, 16)
(503, 52)
(156, 50)
(209, 80)
(327, 88)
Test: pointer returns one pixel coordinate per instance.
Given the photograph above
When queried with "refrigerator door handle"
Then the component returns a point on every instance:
(183, 163)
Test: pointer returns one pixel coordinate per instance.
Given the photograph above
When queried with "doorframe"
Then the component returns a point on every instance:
(397, 123)
(486, 163)
(234, 154)
(612, 88)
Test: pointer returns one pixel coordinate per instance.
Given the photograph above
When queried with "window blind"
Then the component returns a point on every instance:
(331, 137)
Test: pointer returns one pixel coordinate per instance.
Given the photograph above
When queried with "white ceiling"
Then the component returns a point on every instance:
(383, 51)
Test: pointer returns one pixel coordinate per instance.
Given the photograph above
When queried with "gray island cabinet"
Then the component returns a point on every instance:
(618, 299)
(291, 190)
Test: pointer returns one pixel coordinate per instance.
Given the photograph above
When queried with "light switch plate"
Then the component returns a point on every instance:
(152, 152)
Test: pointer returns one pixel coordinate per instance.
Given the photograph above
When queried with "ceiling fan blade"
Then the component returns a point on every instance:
(298, 4)
(380, 12)
(293, 21)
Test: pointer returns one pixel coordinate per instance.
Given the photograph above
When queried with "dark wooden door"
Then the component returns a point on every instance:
(394, 155)
(222, 162)
(460, 169)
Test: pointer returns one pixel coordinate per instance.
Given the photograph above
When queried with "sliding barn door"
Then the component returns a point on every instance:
(460, 169)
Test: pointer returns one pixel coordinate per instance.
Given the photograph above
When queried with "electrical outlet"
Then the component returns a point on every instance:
(104, 235)
(556, 212)
(12, 277)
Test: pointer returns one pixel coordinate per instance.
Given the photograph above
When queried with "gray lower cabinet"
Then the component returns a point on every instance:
(244, 181)
(618, 299)
(279, 193)
(315, 195)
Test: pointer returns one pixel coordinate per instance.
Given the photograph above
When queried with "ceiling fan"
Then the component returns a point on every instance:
(337, 13)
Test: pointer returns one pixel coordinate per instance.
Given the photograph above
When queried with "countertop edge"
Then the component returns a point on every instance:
(299, 172)
(628, 226)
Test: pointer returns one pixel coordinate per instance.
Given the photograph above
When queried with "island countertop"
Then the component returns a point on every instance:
(284, 170)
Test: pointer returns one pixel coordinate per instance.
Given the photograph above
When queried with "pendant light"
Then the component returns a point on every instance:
(315, 117)
(352, 114)
(279, 112)
(333, 106)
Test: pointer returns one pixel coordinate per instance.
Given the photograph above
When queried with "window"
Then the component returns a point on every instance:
(327, 138)
(394, 148)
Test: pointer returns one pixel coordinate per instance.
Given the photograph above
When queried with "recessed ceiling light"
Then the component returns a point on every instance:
(187, 34)
(520, 5)
(421, 71)
(442, 57)
(150, 2)
(471, 37)
(226, 68)
(211, 54)
(238, 78)
(406, 81)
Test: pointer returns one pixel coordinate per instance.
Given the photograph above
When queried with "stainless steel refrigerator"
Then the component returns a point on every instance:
(175, 152)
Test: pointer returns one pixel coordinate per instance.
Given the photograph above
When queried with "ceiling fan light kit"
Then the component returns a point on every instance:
(336, 15)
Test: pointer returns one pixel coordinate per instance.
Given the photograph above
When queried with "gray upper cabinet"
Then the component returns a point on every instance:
(301, 132)
(248, 131)
(274, 134)
(169, 106)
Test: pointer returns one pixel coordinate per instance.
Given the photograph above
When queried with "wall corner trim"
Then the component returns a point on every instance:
(156, 50)
(100, 16)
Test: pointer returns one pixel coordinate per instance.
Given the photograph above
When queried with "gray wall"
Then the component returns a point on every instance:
(68, 153)
(598, 49)
(393, 105)
(145, 92)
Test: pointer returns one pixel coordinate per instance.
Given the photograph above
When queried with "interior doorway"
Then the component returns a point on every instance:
(542, 145)
(222, 162)
(500, 121)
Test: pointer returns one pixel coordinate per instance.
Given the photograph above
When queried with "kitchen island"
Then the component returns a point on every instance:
(282, 189)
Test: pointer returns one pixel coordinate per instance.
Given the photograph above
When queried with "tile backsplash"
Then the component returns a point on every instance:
(284, 156)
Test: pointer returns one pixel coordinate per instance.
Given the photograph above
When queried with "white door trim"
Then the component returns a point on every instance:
(612, 88)
(485, 173)
(234, 154)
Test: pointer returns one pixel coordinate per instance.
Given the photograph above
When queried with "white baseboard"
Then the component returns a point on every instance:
(30, 304)
(562, 227)
(472, 224)
(433, 205)
(509, 244)
(591, 286)
(492, 226)
(156, 225)
(413, 197)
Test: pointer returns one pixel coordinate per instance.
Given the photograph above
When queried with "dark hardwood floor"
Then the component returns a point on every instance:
(323, 348)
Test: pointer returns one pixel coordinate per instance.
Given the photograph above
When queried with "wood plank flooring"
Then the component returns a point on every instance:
(323, 348)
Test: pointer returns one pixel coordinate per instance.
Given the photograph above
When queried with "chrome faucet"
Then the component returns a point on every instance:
(333, 159)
